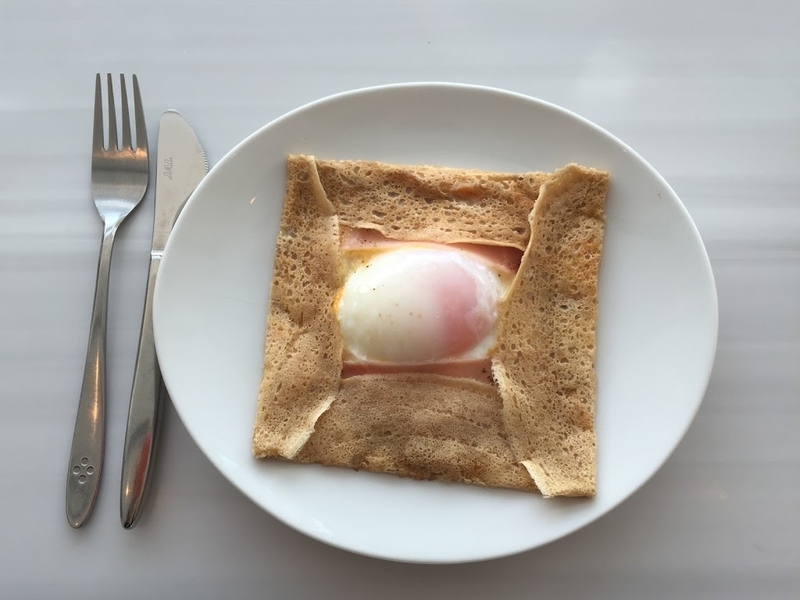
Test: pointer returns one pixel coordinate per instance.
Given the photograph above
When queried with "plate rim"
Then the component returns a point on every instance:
(540, 103)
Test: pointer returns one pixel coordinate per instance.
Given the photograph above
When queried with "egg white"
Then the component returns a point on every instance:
(382, 306)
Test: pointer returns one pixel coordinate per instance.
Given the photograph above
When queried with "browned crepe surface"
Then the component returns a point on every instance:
(432, 204)
(534, 427)
(544, 364)
(418, 425)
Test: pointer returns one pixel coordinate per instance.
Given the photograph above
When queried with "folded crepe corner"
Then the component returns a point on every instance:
(303, 352)
(544, 365)
(531, 429)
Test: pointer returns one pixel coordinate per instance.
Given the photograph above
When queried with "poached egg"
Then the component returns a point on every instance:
(420, 303)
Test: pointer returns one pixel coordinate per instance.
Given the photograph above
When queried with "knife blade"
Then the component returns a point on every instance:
(182, 165)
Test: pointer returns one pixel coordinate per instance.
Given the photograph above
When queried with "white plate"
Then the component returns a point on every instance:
(657, 325)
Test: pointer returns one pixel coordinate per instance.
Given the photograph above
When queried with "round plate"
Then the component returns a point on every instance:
(657, 327)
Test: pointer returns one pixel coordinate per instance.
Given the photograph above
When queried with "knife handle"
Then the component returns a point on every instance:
(143, 415)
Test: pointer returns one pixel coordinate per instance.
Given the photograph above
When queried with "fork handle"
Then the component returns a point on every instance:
(86, 456)
(143, 415)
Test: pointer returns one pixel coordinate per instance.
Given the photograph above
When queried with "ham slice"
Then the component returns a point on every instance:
(477, 369)
(354, 239)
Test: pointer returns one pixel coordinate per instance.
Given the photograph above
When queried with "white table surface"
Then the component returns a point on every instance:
(708, 93)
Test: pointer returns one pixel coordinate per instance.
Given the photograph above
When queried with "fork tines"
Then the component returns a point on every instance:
(98, 142)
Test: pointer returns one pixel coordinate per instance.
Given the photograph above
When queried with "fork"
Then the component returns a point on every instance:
(119, 182)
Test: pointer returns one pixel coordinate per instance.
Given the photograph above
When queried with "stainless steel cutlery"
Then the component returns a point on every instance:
(120, 173)
(119, 180)
(181, 166)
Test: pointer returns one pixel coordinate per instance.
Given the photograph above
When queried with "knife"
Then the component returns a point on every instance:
(182, 165)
